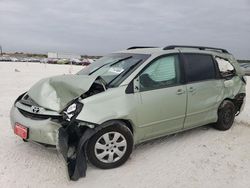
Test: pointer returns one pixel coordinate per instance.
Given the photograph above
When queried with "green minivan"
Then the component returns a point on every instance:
(129, 97)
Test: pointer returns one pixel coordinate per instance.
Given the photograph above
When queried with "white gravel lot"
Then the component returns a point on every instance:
(202, 157)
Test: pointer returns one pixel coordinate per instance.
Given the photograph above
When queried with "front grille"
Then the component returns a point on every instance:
(36, 116)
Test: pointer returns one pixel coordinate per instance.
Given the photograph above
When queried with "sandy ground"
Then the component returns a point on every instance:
(202, 157)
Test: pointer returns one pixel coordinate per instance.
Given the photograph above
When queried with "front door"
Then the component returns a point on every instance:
(162, 104)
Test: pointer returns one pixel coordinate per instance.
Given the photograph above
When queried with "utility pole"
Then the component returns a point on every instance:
(1, 50)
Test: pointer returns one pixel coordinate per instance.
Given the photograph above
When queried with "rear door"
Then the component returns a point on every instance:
(203, 89)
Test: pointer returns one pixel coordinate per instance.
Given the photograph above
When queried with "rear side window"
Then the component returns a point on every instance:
(199, 67)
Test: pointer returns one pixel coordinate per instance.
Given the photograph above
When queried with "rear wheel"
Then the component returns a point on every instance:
(111, 146)
(226, 115)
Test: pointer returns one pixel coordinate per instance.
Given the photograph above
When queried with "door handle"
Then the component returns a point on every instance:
(191, 89)
(180, 92)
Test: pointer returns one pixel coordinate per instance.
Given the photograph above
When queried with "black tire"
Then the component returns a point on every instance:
(226, 115)
(113, 128)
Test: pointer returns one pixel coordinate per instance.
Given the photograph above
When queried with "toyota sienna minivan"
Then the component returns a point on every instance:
(129, 97)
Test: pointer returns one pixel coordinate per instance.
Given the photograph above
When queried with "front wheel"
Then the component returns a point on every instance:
(111, 146)
(226, 115)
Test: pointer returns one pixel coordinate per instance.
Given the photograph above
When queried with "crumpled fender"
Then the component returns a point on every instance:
(55, 92)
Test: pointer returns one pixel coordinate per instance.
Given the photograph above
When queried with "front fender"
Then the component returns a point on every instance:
(112, 104)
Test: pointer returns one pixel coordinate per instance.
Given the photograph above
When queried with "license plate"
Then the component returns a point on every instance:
(21, 131)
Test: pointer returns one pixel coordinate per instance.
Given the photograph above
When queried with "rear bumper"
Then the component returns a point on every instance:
(41, 131)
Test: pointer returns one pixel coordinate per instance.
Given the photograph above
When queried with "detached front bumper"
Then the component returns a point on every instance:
(42, 131)
(47, 131)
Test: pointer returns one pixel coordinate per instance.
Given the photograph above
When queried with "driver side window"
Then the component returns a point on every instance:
(161, 73)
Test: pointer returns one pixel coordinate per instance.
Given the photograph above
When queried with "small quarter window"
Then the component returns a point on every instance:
(225, 67)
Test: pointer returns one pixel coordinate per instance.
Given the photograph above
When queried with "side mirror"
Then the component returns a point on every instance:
(133, 87)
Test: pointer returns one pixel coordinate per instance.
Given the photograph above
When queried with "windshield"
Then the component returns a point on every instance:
(114, 68)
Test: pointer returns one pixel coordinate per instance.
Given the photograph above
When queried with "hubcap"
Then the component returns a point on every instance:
(110, 147)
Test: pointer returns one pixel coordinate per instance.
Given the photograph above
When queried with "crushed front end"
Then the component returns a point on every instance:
(42, 124)
(56, 129)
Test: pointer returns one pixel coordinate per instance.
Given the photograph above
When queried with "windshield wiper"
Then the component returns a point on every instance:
(119, 60)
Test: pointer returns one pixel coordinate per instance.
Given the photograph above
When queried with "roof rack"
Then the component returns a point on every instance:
(136, 47)
(197, 47)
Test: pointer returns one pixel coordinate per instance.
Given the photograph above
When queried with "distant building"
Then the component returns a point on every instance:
(56, 55)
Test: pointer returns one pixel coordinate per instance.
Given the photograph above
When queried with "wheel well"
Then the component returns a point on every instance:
(228, 99)
(128, 124)
(236, 103)
(125, 121)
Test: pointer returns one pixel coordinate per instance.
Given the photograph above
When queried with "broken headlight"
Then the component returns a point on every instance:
(72, 111)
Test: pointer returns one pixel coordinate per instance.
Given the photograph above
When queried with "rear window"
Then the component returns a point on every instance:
(199, 67)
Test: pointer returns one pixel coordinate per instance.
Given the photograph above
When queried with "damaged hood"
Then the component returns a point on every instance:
(55, 92)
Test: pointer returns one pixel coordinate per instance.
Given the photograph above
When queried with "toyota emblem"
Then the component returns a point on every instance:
(35, 109)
